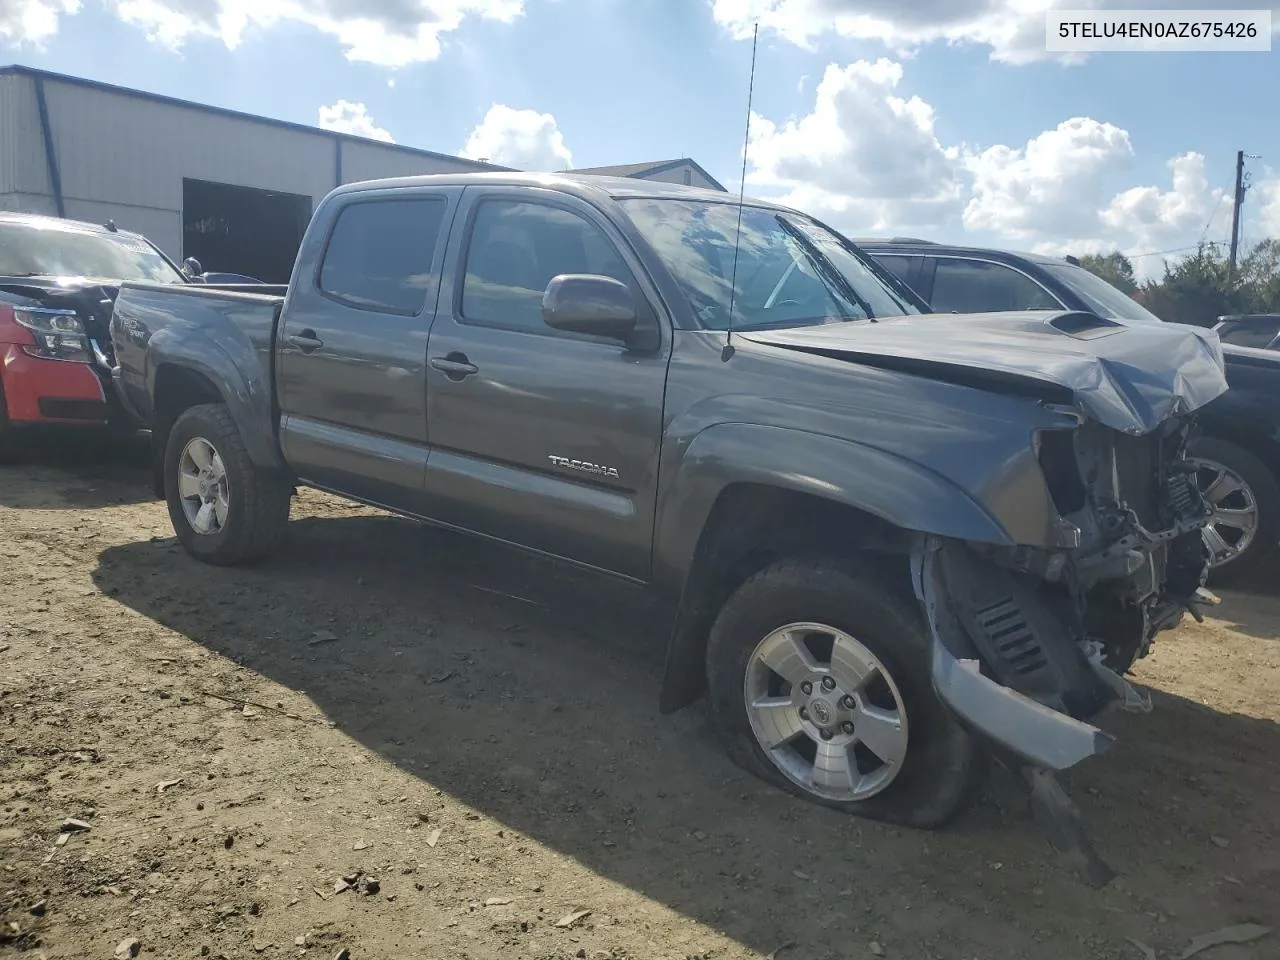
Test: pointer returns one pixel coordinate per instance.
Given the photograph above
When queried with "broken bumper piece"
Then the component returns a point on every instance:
(1033, 738)
(1038, 734)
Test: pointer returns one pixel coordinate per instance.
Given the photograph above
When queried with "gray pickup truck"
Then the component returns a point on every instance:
(893, 545)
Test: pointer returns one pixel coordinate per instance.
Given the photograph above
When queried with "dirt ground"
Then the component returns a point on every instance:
(471, 739)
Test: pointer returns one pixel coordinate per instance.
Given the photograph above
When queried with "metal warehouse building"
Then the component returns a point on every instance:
(233, 190)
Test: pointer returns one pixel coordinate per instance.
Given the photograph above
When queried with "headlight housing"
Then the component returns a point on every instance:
(59, 334)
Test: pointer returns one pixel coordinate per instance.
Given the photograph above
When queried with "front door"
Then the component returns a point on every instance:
(539, 437)
(353, 345)
(970, 285)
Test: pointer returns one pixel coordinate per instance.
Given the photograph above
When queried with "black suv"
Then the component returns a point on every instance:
(1238, 451)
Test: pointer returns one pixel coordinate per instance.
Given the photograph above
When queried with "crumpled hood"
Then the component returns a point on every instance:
(1129, 377)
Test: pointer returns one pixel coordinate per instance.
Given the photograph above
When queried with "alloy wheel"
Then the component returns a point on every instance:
(1233, 524)
(203, 487)
(826, 711)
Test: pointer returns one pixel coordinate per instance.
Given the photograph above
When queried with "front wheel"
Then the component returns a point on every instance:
(224, 509)
(820, 683)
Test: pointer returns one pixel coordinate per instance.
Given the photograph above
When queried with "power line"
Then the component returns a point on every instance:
(1222, 197)
(1160, 253)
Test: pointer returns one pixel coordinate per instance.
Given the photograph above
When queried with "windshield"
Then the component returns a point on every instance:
(790, 272)
(1101, 297)
(31, 250)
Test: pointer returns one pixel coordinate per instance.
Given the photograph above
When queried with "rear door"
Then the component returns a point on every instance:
(352, 344)
(540, 437)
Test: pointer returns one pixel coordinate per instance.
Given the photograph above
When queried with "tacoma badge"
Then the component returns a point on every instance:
(584, 466)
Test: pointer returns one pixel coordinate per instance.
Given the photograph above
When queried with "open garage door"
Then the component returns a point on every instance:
(243, 230)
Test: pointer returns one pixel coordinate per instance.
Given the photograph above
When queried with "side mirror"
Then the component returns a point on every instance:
(191, 268)
(586, 303)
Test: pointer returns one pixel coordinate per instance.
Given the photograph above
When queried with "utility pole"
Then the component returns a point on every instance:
(1235, 215)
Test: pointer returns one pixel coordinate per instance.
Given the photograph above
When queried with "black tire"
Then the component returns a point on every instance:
(6, 432)
(944, 767)
(258, 499)
(4, 425)
(1266, 495)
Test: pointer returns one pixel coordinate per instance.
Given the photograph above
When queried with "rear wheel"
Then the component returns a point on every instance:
(224, 509)
(820, 683)
(6, 432)
(1245, 499)
(4, 424)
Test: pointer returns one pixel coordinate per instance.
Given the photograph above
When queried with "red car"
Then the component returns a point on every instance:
(58, 281)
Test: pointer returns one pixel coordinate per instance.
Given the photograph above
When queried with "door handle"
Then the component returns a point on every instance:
(306, 341)
(455, 366)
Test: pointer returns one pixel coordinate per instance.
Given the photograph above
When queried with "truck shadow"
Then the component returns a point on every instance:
(71, 470)
(529, 692)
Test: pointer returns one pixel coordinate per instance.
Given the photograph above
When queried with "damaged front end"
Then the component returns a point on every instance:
(1082, 460)
(1031, 644)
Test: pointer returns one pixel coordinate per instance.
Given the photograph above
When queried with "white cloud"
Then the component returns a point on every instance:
(33, 21)
(391, 33)
(524, 139)
(867, 158)
(347, 117)
(1013, 30)
(1078, 248)
(1052, 180)
(863, 155)
(1264, 198)
(1160, 218)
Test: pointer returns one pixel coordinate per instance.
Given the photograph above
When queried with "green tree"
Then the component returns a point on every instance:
(1194, 290)
(1260, 278)
(1198, 288)
(1114, 268)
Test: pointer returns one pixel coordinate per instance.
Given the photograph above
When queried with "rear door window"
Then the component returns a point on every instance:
(380, 253)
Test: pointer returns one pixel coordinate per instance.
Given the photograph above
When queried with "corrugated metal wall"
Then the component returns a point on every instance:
(24, 180)
(368, 161)
(9, 97)
(124, 157)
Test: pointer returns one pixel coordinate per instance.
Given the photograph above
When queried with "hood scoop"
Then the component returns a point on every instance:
(1130, 377)
(1084, 325)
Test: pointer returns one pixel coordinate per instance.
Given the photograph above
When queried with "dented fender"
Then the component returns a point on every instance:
(898, 491)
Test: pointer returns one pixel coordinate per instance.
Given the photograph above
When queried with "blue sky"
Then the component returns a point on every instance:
(947, 139)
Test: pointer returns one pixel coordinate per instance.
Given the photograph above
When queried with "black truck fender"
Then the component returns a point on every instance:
(742, 495)
(196, 368)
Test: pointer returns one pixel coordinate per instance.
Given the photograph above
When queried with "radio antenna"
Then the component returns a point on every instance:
(727, 352)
